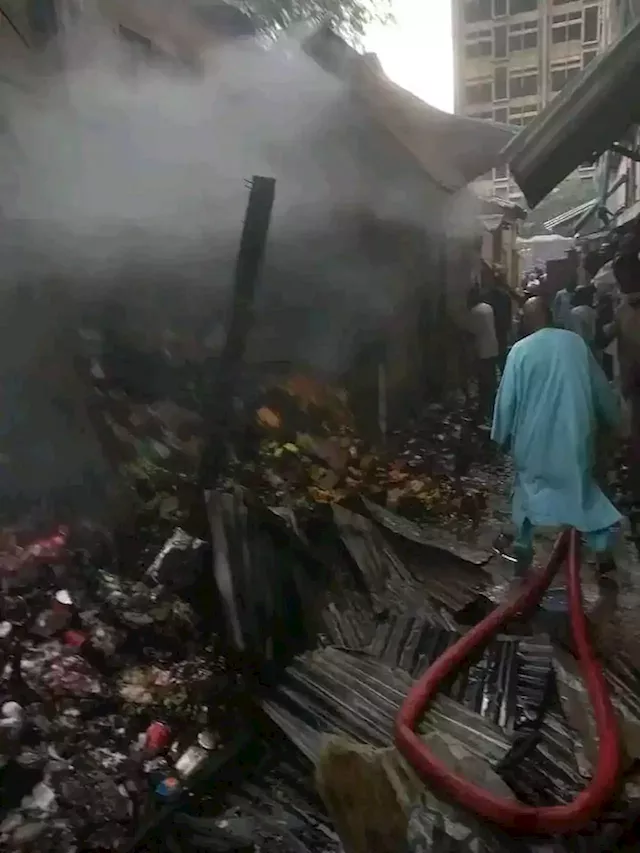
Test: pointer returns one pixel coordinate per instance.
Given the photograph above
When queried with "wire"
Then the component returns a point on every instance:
(8, 19)
(517, 817)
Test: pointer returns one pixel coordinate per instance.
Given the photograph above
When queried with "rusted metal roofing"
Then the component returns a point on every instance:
(453, 150)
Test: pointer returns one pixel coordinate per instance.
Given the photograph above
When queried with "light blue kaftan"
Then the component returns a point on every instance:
(552, 395)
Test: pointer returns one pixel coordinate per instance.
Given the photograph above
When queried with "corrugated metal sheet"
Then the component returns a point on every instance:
(282, 593)
(571, 215)
(453, 150)
(357, 694)
(332, 691)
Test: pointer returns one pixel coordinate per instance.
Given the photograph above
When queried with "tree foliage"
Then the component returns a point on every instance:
(348, 17)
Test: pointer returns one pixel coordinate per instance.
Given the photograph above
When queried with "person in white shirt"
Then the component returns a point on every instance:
(482, 326)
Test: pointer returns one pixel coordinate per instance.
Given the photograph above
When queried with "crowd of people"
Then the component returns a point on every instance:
(568, 364)
(602, 311)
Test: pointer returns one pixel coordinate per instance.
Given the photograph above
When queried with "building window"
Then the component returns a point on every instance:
(479, 44)
(523, 36)
(500, 172)
(521, 115)
(517, 6)
(591, 24)
(499, 8)
(485, 115)
(477, 10)
(500, 42)
(500, 115)
(500, 83)
(587, 56)
(478, 92)
(562, 72)
(561, 2)
(566, 27)
(523, 83)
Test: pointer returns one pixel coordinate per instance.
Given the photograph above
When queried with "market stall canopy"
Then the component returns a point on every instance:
(586, 118)
(453, 150)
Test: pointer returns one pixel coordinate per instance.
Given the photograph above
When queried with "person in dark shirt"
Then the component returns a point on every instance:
(497, 295)
(563, 303)
(605, 315)
(582, 319)
(626, 329)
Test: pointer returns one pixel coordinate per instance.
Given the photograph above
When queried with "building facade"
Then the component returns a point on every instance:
(623, 173)
(513, 56)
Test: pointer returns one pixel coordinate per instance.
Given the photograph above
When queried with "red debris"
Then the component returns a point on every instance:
(157, 737)
(76, 639)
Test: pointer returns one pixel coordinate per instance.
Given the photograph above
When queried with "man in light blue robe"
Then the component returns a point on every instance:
(552, 397)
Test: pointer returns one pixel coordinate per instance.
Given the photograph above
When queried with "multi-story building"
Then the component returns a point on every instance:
(622, 174)
(513, 56)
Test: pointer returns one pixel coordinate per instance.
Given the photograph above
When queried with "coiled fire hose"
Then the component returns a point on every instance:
(512, 816)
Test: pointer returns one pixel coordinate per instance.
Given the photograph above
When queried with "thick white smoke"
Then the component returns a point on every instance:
(129, 176)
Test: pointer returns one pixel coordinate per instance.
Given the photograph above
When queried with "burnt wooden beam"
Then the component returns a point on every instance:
(219, 402)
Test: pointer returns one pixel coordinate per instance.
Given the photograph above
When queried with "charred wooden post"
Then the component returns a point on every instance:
(219, 405)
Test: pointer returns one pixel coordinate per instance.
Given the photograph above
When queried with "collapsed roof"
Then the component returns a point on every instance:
(453, 150)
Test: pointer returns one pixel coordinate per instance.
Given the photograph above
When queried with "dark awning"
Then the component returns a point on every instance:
(591, 113)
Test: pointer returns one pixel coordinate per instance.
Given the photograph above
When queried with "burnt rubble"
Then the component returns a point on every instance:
(82, 691)
(92, 660)
(380, 620)
(178, 695)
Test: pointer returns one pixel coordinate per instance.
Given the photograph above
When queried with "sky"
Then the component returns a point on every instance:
(416, 50)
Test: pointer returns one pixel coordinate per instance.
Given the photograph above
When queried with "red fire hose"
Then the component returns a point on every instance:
(512, 816)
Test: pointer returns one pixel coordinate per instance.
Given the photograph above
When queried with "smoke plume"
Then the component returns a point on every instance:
(127, 176)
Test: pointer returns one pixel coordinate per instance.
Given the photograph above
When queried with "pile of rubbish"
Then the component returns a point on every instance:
(103, 678)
